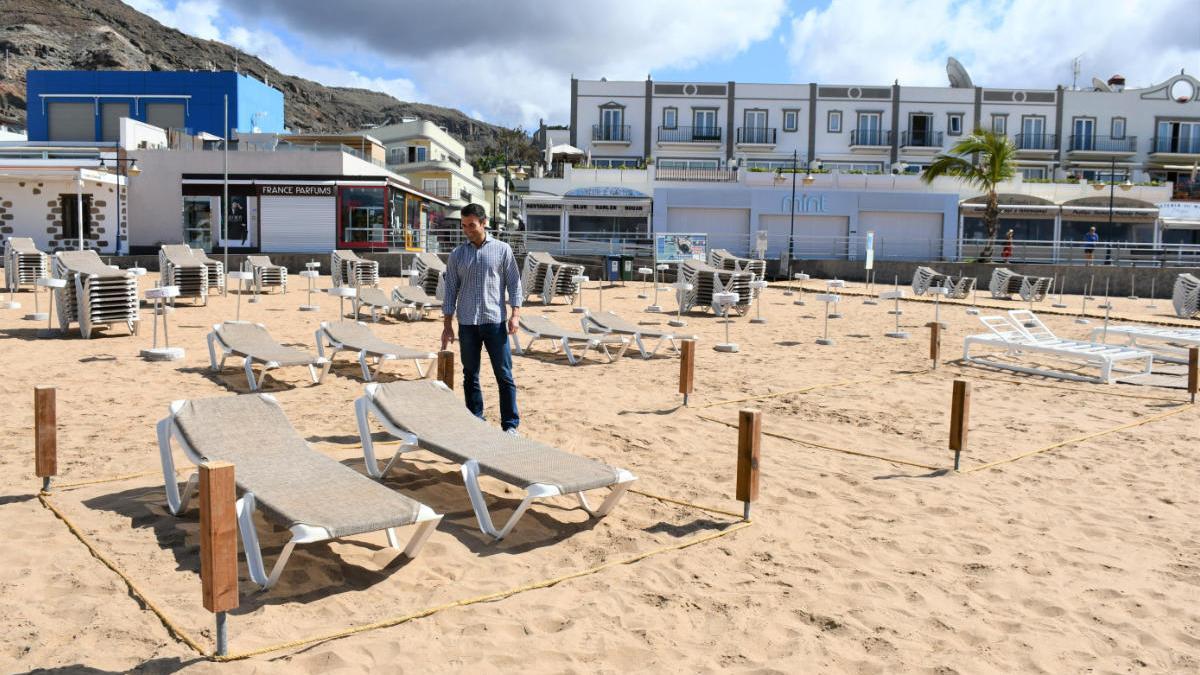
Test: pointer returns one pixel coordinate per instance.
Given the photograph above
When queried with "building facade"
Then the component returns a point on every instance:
(434, 161)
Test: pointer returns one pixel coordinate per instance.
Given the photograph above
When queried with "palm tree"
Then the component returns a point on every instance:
(995, 163)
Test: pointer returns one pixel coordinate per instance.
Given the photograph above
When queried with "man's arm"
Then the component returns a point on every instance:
(449, 300)
(512, 279)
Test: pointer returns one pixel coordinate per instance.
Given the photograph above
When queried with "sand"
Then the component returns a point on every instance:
(1080, 558)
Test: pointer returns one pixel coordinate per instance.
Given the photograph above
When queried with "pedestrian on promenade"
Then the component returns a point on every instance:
(1089, 247)
(1006, 253)
(479, 273)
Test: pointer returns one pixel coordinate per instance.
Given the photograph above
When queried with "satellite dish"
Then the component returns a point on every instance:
(959, 79)
(1100, 85)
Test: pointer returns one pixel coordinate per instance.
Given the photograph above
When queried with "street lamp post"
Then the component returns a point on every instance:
(1112, 188)
(808, 180)
(131, 171)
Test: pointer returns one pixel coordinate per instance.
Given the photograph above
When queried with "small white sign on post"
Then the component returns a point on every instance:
(870, 250)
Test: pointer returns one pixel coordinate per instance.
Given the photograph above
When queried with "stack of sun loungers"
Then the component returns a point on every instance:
(348, 269)
(724, 260)
(707, 281)
(179, 267)
(216, 270)
(543, 275)
(95, 294)
(430, 269)
(926, 277)
(1186, 296)
(1005, 282)
(265, 272)
(23, 263)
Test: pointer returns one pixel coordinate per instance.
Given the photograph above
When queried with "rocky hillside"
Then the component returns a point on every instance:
(109, 35)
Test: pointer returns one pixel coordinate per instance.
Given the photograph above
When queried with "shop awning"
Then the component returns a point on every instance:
(1180, 224)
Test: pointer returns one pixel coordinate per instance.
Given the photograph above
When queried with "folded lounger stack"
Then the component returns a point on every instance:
(23, 263)
(348, 269)
(926, 277)
(707, 281)
(1005, 282)
(216, 270)
(1186, 296)
(179, 267)
(543, 275)
(724, 260)
(95, 294)
(429, 268)
(266, 273)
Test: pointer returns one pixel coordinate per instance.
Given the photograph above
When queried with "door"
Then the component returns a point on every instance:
(612, 121)
(1084, 134)
(726, 228)
(704, 126)
(903, 236)
(812, 237)
(298, 224)
(869, 129)
(1033, 133)
(756, 127)
(921, 128)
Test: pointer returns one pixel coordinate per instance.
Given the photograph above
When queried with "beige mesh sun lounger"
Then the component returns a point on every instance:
(252, 342)
(1185, 296)
(179, 267)
(610, 323)
(314, 496)
(427, 414)
(377, 300)
(95, 294)
(23, 263)
(347, 269)
(542, 328)
(355, 336)
(416, 301)
(216, 270)
(266, 273)
(430, 272)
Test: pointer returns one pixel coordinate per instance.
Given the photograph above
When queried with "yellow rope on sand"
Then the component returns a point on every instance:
(814, 387)
(680, 502)
(1080, 439)
(1103, 391)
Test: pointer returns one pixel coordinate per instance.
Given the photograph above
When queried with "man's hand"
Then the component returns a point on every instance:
(512, 325)
(447, 335)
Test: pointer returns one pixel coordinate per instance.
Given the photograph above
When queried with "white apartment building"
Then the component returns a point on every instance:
(434, 161)
(1144, 134)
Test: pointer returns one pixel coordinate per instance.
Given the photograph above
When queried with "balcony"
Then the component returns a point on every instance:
(921, 141)
(756, 135)
(870, 140)
(1167, 148)
(1032, 144)
(704, 134)
(1083, 144)
(610, 133)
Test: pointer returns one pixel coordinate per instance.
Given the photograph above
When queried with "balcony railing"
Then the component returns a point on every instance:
(610, 132)
(760, 135)
(1037, 142)
(713, 175)
(874, 137)
(921, 139)
(1092, 143)
(689, 134)
(1182, 146)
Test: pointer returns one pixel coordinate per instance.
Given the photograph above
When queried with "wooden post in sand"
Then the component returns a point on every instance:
(218, 544)
(749, 444)
(960, 413)
(687, 368)
(45, 435)
(1193, 371)
(445, 367)
(935, 342)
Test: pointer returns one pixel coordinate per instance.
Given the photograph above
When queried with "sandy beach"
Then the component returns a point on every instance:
(1080, 558)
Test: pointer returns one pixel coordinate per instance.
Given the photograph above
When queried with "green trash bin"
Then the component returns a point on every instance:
(626, 268)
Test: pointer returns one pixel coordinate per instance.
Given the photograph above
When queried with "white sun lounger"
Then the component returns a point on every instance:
(1167, 344)
(415, 300)
(609, 323)
(542, 328)
(1010, 334)
(1185, 296)
(252, 342)
(355, 336)
(23, 263)
(377, 300)
(314, 496)
(266, 273)
(178, 266)
(95, 294)
(347, 269)
(216, 270)
(427, 414)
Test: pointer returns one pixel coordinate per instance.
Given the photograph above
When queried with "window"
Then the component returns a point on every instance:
(438, 187)
(670, 118)
(71, 121)
(70, 216)
(612, 123)
(615, 162)
(704, 125)
(954, 124)
(833, 122)
(1000, 124)
(166, 115)
(110, 120)
(418, 153)
(362, 214)
(1083, 133)
(1033, 133)
(1177, 136)
(920, 131)
(755, 129)
(869, 130)
(1035, 172)
(791, 120)
(199, 214)
(853, 167)
(1118, 127)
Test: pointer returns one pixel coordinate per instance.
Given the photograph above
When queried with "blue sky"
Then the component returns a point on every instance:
(510, 62)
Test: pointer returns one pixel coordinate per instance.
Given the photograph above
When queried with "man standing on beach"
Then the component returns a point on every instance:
(478, 274)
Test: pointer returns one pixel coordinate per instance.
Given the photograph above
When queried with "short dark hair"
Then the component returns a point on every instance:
(473, 209)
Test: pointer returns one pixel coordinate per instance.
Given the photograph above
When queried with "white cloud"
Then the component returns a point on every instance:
(1012, 43)
(194, 17)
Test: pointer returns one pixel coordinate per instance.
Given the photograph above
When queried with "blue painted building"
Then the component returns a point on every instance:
(87, 106)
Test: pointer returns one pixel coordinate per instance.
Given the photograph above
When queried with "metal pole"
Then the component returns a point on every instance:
(792, 213)
(79, 208)
(225, 197)
(222, 635)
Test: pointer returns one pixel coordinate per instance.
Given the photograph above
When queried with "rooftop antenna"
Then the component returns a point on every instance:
(1075, 71)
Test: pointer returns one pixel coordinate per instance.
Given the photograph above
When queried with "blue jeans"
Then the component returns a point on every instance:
(493, 336)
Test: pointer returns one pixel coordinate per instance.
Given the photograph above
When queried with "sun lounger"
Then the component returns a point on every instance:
(430, 272)
(610, 323)
(1005, 282)
(542, 328)
(1168, 344)
(23, 263)
(707, 281)
(347, 269)
(1185, 296)
(311, 494)
(252, 342)
(1011, 334)
(925, 277)
(724, 260)
(543, 275)
(357, 337)
(377, 300)
(179, 267)
(265, 272)
(216, 270)
(415, 300)
(95, 294)
(428, 415)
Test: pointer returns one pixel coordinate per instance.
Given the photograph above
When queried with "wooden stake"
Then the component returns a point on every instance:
(935, 342)
(445, 367)
(960, 413)
(749, 445)
(218, 543)
(45, 435)
(1193, 371)
(687, 368)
